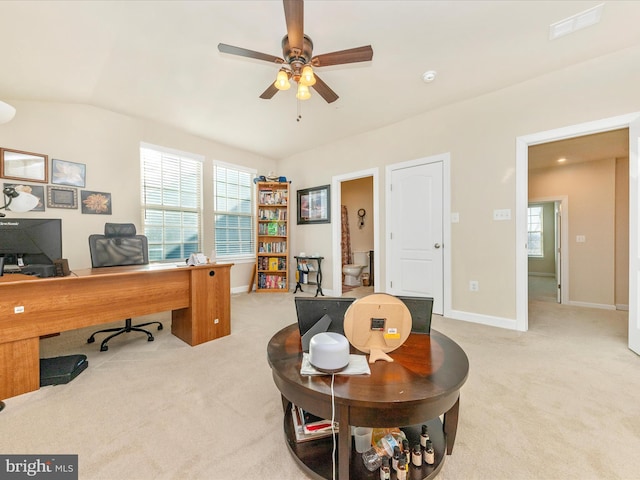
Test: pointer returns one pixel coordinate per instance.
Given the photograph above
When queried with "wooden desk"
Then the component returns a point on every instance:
(198, 296)
(421, 384)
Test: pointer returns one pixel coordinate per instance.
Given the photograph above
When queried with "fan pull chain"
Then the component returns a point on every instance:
(299, 108)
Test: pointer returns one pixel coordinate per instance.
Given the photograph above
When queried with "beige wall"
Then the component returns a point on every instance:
(479, 133)
(357, 194)
(622, 233)
(590, 189)
(481, 136)
(108, 143)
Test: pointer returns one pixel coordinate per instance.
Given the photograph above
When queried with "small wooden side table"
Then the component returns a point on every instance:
(318, 282)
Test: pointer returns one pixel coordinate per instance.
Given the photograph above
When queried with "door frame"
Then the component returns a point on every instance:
(522, 161)
(563, 200)
(336, 225)
(445, 159)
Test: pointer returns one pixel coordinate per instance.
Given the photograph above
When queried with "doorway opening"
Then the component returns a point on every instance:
(360, 191)
(630, 122)
(548, 265)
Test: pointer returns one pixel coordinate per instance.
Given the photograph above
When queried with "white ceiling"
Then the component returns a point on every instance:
(159, 59)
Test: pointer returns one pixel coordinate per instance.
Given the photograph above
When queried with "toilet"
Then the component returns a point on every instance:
(353, 271)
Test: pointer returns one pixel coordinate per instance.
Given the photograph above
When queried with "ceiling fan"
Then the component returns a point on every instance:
(298, 61)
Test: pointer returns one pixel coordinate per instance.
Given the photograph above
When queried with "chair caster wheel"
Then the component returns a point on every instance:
(160, 327)
(91, 340)
(150, 339)
(104, 348)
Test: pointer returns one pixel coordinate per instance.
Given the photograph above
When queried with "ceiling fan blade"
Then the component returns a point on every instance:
(243, 52)
(294, 16)
(325, 92)
(269, 92)
(352, 55)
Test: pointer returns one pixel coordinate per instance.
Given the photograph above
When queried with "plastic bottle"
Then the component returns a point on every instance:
(382, 445)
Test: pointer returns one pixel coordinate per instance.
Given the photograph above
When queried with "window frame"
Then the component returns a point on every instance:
(540, 232)
(249, 256)
(165, 152)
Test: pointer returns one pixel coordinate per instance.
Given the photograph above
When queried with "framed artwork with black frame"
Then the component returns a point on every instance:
(314, 205)
(68, 173)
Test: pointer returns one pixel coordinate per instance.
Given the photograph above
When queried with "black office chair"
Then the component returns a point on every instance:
(117, 247)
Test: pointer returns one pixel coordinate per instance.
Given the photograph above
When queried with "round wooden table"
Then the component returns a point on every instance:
(422, 383)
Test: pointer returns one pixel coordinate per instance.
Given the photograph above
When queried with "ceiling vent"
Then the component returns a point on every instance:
(576, 22)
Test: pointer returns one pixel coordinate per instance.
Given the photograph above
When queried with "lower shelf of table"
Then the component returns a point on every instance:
(314, 456)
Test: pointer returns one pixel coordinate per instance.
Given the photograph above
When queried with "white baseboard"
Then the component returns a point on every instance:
(622, 307)
(602, 306)
(488, 320)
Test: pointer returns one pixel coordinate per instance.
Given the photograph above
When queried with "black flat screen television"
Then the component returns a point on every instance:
(30, 241)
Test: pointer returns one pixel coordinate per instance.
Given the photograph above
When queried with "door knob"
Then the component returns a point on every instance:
(437, 245)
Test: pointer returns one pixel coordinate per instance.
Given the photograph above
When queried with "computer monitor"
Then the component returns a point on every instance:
(311, 310)
(421, 309)
(30, 241)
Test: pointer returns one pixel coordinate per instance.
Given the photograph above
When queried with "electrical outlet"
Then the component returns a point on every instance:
(455, 217)
(474, 286)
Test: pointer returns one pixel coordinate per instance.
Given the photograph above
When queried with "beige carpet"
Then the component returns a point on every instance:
(558, 402)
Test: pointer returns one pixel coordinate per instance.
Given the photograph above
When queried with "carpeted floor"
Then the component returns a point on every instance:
(557, 402)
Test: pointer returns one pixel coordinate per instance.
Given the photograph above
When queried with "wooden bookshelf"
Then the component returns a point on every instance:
(272, 237)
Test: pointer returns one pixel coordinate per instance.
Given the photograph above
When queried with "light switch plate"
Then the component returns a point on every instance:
(502, 214)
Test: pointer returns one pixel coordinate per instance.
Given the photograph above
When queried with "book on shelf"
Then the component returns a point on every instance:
(273, 263)
(308, 426)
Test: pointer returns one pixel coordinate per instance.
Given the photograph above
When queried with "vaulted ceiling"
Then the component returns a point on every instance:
(159, 59)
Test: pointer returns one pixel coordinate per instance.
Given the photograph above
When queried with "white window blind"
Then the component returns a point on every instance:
(535, 231)
(233, 208)
(171, 202)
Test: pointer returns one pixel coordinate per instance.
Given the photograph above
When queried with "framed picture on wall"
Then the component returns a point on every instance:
(96, 203)
(314, 205)
(23, 166)
(62, 197)
(24, 198)
(68, 173)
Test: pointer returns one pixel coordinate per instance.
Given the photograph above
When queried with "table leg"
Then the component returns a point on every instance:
(319, 279)
(286, 404)
(451, 425)
(344, 443)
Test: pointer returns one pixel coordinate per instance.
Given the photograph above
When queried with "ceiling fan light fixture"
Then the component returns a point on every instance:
(303, 92)
(307, 78)
(282, 80)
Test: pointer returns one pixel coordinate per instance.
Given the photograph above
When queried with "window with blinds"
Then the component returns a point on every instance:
(233, 209)
(171, 202)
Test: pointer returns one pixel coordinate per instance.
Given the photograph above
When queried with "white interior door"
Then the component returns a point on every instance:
(415, 241)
